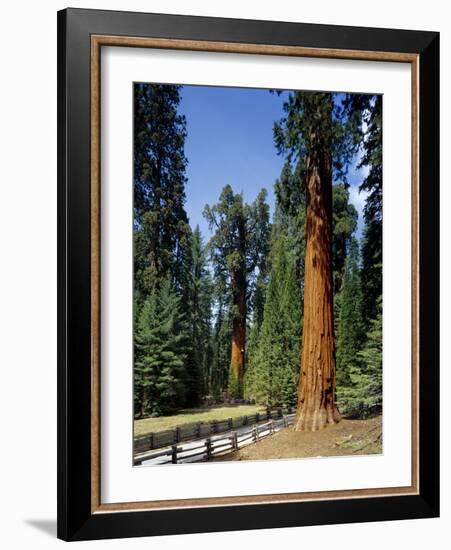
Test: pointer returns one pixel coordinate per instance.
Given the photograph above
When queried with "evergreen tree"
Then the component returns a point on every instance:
(200, 311)
(163, 248)
(350, 332)
(161, 229)
(367, 110)
(363, 396)
(344, 220)
(272, 374)
(162, 344)
(290, 214)
(222, 338)
(371, 266)
(237, 249)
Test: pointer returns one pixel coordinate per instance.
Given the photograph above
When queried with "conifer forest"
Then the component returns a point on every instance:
(268, 294)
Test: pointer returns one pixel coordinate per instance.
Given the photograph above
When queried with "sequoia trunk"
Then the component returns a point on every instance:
(316, 392)
(238, 334)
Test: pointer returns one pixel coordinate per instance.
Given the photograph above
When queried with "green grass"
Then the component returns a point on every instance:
(189, 416)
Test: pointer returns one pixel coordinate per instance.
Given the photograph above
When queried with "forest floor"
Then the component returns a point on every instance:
(348, 437)
(189, 416)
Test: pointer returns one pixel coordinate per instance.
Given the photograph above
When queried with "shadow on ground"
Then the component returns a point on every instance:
(46, 526)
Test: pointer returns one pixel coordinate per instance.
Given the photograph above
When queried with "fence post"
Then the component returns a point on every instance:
(235, 441)
(208, 447)
(230, 423)
(271, 427)
(257, 434)
(198, 430)
(285, 421)
(257, 418)
(214, 427)
(151, 441)
(174, 454)
(244, 420)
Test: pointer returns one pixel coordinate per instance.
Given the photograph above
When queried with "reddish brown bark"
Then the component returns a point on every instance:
(238, 334)
(239, 312)
(316, 392)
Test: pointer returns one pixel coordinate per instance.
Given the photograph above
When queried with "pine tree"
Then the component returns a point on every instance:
(291, 329)
(350, 332)
(162, 344)
(363, 396)
(162, 244)
(259, 230)
(222, 339)
(272, 374)
(200, 311)
(367, 110)
(344, 221)
(290, 214)
(161, 229)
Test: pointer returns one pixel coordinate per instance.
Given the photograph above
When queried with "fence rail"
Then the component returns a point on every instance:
(197, 451)
(198, 430)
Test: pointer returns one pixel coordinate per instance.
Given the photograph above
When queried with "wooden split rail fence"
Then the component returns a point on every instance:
(188, 432)
(197, 451)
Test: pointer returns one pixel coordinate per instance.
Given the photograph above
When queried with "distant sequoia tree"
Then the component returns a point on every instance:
(237, 248)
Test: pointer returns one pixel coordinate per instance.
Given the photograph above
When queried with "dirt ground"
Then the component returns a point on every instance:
(348, 437)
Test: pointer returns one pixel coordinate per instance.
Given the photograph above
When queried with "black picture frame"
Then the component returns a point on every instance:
(76, 521)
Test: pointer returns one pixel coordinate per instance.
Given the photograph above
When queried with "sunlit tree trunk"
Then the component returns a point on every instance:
(239, 312)
(316, 392)
(238, 336)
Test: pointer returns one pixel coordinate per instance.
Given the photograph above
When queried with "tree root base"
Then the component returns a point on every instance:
(312, 421)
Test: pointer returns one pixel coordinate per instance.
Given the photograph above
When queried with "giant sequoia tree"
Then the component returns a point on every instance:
(238, 248)
(313, 130)
(274, 345)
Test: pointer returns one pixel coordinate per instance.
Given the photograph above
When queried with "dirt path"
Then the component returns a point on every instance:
(348, 437)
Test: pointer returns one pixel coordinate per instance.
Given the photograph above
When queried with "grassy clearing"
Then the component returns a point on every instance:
(189, 416)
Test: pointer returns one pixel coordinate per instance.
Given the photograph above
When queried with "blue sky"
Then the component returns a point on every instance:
(230, 141)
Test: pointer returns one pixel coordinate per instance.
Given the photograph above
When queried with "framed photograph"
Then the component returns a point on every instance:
(248, 274)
